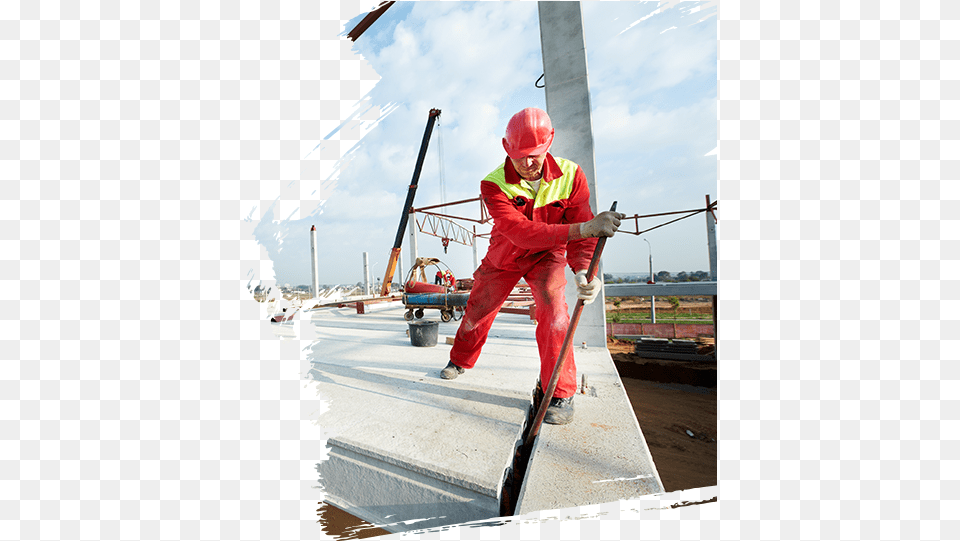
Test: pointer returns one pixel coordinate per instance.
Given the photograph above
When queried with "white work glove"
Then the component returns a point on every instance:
(587, 291)
(604, 225)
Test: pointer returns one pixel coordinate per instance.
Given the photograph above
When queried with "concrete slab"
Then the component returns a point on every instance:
(408, 450)
(405, 444)
(598, 458)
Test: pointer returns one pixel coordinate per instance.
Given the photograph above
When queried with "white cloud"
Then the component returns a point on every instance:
(460, 54)
(466, 59)
(653, 94)
(644, 59)
(365, 206)
(477, 62)
(619, 128)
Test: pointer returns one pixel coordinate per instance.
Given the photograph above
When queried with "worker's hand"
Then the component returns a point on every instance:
(587, 291)
(604, 225)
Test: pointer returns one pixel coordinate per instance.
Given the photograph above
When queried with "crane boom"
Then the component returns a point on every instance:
(408, 205)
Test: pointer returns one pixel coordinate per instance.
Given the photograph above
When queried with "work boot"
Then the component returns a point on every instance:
(451, 371)
(560, 411)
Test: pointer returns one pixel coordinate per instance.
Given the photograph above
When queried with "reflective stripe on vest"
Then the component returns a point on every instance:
(555, 190)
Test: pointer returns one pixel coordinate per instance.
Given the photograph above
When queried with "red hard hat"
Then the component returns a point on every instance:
(529, 133)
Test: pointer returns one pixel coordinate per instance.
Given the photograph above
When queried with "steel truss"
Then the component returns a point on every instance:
(443, 225)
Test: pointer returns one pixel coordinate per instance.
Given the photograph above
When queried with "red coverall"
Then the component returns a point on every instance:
(530, 240)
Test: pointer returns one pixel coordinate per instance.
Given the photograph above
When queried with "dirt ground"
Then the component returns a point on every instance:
(342, 525)
(669, 398)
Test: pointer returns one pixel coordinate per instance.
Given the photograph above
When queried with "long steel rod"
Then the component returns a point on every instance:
(450, 216)
(421, 209)
(664, 223)
(574, 319)
(710, 206)
(636, 218)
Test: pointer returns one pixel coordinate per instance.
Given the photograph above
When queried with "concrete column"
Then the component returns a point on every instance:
(476, 256)
(711, 242)
(568, 104)
(712, 253)
(315, 283)
(366, 274)
(412, 225)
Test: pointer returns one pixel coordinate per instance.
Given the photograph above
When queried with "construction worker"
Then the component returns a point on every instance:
(540, 205)
(438, 279)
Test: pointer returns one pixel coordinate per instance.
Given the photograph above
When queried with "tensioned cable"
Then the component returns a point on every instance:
(713, 205)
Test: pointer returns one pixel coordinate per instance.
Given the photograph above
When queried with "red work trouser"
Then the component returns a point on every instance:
(491, 287)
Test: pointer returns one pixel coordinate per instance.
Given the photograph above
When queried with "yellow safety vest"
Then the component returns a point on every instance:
(554, 190)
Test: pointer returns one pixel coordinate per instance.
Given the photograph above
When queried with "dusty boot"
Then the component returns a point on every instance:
(451, 371)
(559, 412)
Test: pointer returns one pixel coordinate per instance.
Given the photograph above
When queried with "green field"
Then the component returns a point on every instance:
(662, 317)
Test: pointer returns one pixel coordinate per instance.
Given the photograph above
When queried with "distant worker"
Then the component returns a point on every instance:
(540, 205)
(439, 278)
(448, 278)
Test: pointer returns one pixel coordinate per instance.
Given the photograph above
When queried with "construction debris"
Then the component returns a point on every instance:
(664, 348)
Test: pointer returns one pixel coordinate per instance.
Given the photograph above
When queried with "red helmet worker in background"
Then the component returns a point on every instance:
(540, 205)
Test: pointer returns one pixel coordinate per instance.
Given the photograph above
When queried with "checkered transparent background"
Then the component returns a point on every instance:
(141, 398)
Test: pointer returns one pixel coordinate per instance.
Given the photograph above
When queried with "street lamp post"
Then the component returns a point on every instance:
(653, 299)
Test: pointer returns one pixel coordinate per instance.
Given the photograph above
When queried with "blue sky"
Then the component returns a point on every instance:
(652, 80)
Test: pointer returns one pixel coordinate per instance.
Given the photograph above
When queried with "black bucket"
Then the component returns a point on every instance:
(424, 333)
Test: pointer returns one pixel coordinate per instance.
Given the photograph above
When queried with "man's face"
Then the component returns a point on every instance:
(529, 167)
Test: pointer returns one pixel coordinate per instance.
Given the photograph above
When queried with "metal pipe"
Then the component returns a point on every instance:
(421, 209)
(451, 216)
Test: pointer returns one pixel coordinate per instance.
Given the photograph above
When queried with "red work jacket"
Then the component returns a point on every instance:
(526, 226)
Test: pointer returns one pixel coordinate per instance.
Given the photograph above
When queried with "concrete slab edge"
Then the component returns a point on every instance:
(611, 387)
(435, 472)
(377, 492)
